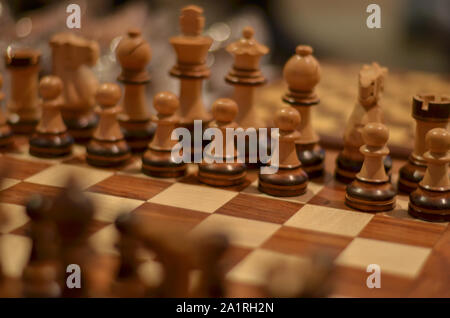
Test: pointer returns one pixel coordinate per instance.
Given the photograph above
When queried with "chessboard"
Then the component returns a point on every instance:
(414, 255)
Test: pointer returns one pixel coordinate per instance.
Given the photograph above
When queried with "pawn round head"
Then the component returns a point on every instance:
(50, 87)
(166, 103)
(375, 134)
(108, 94)
(438, 140)
(224, 110)
(287, 118)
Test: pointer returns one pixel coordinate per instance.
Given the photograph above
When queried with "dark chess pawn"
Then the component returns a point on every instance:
(5, 130)
(128, 282)
(72, 211)
(108, 147)
(157, 161)
(212, 273)
(219, 172)
(431, 200)
(41, 275)
(371, 191)
(51, 138)
(290, 179)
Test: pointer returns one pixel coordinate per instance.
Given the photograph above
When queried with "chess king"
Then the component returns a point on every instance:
(367, 110)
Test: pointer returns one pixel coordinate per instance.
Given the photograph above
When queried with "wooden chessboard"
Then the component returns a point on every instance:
(414, 255)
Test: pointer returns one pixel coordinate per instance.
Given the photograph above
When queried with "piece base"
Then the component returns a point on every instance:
(370, 197)
(410, 175)
(50, 145)
(102, 153)
(284, 183)
(429, 205)
(312, 159)
(6, 136)
(138, 133)
(81, 128)
(23, 127)
(222, 174)
(161, 165)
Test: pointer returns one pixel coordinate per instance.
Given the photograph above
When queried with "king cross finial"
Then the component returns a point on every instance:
(192, 20)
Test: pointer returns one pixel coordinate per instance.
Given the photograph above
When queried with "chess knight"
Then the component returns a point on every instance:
(367, 110)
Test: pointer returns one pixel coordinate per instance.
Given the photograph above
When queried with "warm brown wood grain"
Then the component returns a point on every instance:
(260, 208)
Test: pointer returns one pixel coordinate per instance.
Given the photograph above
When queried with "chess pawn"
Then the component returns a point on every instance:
(73, 211)
(429, 111)
(431, 200)
(290, 179)
(217, 171)
(41, 275)
(302, 74)
(134, 54)
(157, 161)
(128, 283)
(191, 48)
(50, 138)
(5, 130)
(366, 110)
(72, 57)
(24, 113)
(371, 191)
(108, 147)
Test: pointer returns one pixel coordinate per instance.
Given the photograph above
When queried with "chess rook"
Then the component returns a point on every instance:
(302, 74)
(5, 129)
(108, 147)
(72, 57)
(431, 200)
(367, 110)
(23, 109)
(157, 161)
(429, 111)
(50, 138)
(220, 172)
(290, 179)
(134, 54)
(371, 191)
(191, 48)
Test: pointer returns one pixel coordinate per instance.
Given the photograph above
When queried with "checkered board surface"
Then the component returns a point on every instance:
(414, 256)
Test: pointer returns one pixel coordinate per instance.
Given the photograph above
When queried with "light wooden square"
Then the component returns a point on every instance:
(7, 183)
(199, 198)
(312, 190)
(329, 220)
(244, 232)
(108, 207)
(15, 252)
(254, 268)
(104, 240)
(393, 258)
(14, 216)
(58, 175)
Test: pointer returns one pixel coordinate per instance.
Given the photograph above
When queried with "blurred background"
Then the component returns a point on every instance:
(413, 42)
